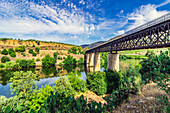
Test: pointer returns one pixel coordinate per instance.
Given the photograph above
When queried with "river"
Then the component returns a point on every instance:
(48, 76)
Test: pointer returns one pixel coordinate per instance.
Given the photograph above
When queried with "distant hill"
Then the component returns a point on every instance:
(92, 45)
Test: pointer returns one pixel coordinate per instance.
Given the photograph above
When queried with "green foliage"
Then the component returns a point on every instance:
(34, 54)
(4, 52)
(31, 50)
(131, 80)
(2, 66)
(155, 66)
(76, 81)
(11, 65)
(37, 49)
(63, 87)
(96, 82)
(60, 58)
(23, 83)
(20, 49)
(4, 59)
(81, 61)
(55, 54)
(23, 54)
(33, 45)
(70, 60)
(113, 80)
(13, 55)
(104, 60)
(11, 50)
(73, 50)
(37, 59)
(38, 98)
(48, 61)
(13, 103)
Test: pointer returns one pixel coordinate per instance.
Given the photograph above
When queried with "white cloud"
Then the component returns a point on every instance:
(144, 14)
(119, 32)
(42, 18)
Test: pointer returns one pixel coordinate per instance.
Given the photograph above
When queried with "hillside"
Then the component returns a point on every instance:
(44, 48)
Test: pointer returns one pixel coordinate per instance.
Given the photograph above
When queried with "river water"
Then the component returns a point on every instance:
(48, 76)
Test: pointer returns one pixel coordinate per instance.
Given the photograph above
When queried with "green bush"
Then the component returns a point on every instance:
(11, 50)
(11, 65)
(33, 45)
(23, 63)
(31, 50)
(63, 86)
(48, 61)
(113, 80)
(96, 81)
(131, 79)
(81, 61)
(37, 49)
(4, 52)
(34, 54)
(2, 66)
(23, 54)
(154, 66)
(13, 55)
(4, 59)
(70, 60)
(38, 98)
(20, 49)
(15, 103)
(37, 59)
(76, 81)
(26, 63)
(55, 54)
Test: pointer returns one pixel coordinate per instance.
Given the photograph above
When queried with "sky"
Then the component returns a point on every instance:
(75, 21)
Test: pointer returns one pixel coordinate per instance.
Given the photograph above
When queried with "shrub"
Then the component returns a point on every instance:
(45, 48)
(20, 49)
(70, 60)
(76, 81)
(31, 51)
(55, 54)
(23, 54)
(96, 81)
(11, 50)
(31, 63)
(63, 86)
(34, 54)
(23, 83)
(48, 61)
(23, 63)
(113, 80)
(131, 79)
(37, 100)
(4, 52)
(4, 59)
(81, 61)
(33, 45)
(13, 55)
(2, 66)
(15, 103)
(38, 59)
(11, 65)
(154, 66)
(37, 49)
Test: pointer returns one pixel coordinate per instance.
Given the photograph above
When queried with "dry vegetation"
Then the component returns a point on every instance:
(45, 48)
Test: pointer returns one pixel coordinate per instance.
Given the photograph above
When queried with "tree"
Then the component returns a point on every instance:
(23, 83)
(4, 52)
(37, 49)
(48, 61)
(70, 60)
(4, 59)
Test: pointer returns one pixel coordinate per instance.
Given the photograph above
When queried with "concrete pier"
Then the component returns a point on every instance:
(87, 61)
(91, 62)
(113, 61)
(97, 62)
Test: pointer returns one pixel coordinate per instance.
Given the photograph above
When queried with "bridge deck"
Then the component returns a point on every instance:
(153, 34)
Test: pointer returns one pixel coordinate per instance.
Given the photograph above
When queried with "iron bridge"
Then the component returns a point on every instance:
(154, 34)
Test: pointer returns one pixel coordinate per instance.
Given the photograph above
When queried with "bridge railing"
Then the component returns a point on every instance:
(149, 24)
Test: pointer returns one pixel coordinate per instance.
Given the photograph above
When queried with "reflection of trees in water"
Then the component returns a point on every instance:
(69, 68)
(48, 71)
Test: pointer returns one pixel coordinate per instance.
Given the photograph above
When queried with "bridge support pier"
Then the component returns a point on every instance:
(113, 61)
(91, 62)
(96, 62)
(86, 59)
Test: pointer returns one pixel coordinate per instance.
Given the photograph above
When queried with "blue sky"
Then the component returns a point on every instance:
(75, 21)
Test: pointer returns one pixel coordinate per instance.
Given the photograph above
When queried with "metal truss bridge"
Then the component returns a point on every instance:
(154, 34)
